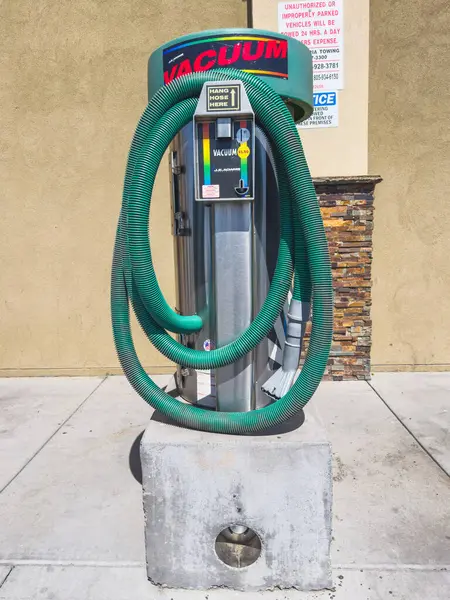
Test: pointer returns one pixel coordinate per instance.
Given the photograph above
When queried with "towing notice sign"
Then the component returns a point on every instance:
(318, 25)
(325, 111)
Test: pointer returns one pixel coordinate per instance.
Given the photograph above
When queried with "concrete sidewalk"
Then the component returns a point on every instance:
(71, 523)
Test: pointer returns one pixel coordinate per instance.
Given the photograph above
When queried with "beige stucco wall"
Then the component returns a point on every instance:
(341, 150)
(73, 84)
(409, 146)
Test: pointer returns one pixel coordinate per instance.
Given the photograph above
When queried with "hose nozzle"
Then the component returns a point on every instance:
(281, 381)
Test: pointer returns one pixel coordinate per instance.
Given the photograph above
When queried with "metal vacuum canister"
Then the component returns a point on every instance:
(196, 277)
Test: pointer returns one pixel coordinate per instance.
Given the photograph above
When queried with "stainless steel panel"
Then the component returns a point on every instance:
(194, 273)
(232, 281)
(193, 258)
(266, 222)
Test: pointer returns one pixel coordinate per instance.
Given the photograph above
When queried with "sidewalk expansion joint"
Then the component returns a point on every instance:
(391, 567)
(427, 452)
(14, 477)
(30, 562)
(126, 564)
(2, 581)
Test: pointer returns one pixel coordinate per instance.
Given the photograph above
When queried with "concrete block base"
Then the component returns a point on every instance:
(278, 486)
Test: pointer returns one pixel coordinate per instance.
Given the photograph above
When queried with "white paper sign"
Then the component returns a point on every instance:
(210, 191)
(318, 25)
(325, 111)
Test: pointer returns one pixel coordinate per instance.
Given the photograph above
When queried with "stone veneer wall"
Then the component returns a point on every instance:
(347, 209)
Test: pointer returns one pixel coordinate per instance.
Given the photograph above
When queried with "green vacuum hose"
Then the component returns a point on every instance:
(303, 249)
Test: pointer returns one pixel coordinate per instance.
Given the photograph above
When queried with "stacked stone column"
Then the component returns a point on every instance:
(347, 209)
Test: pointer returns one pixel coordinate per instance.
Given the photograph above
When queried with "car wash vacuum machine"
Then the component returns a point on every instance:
(251, 257)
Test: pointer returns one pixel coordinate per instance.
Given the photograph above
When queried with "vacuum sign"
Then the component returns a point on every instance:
(259, 55)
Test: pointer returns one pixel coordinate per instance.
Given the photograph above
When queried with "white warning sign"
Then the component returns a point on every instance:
(210, 191)
(325, 111)
(318, 25)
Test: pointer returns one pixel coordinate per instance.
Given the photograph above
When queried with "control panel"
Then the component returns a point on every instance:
(224, 142)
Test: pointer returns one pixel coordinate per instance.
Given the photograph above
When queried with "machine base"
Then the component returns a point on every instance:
(277, 485)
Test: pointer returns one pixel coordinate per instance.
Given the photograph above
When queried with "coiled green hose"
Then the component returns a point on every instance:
(304, 244)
